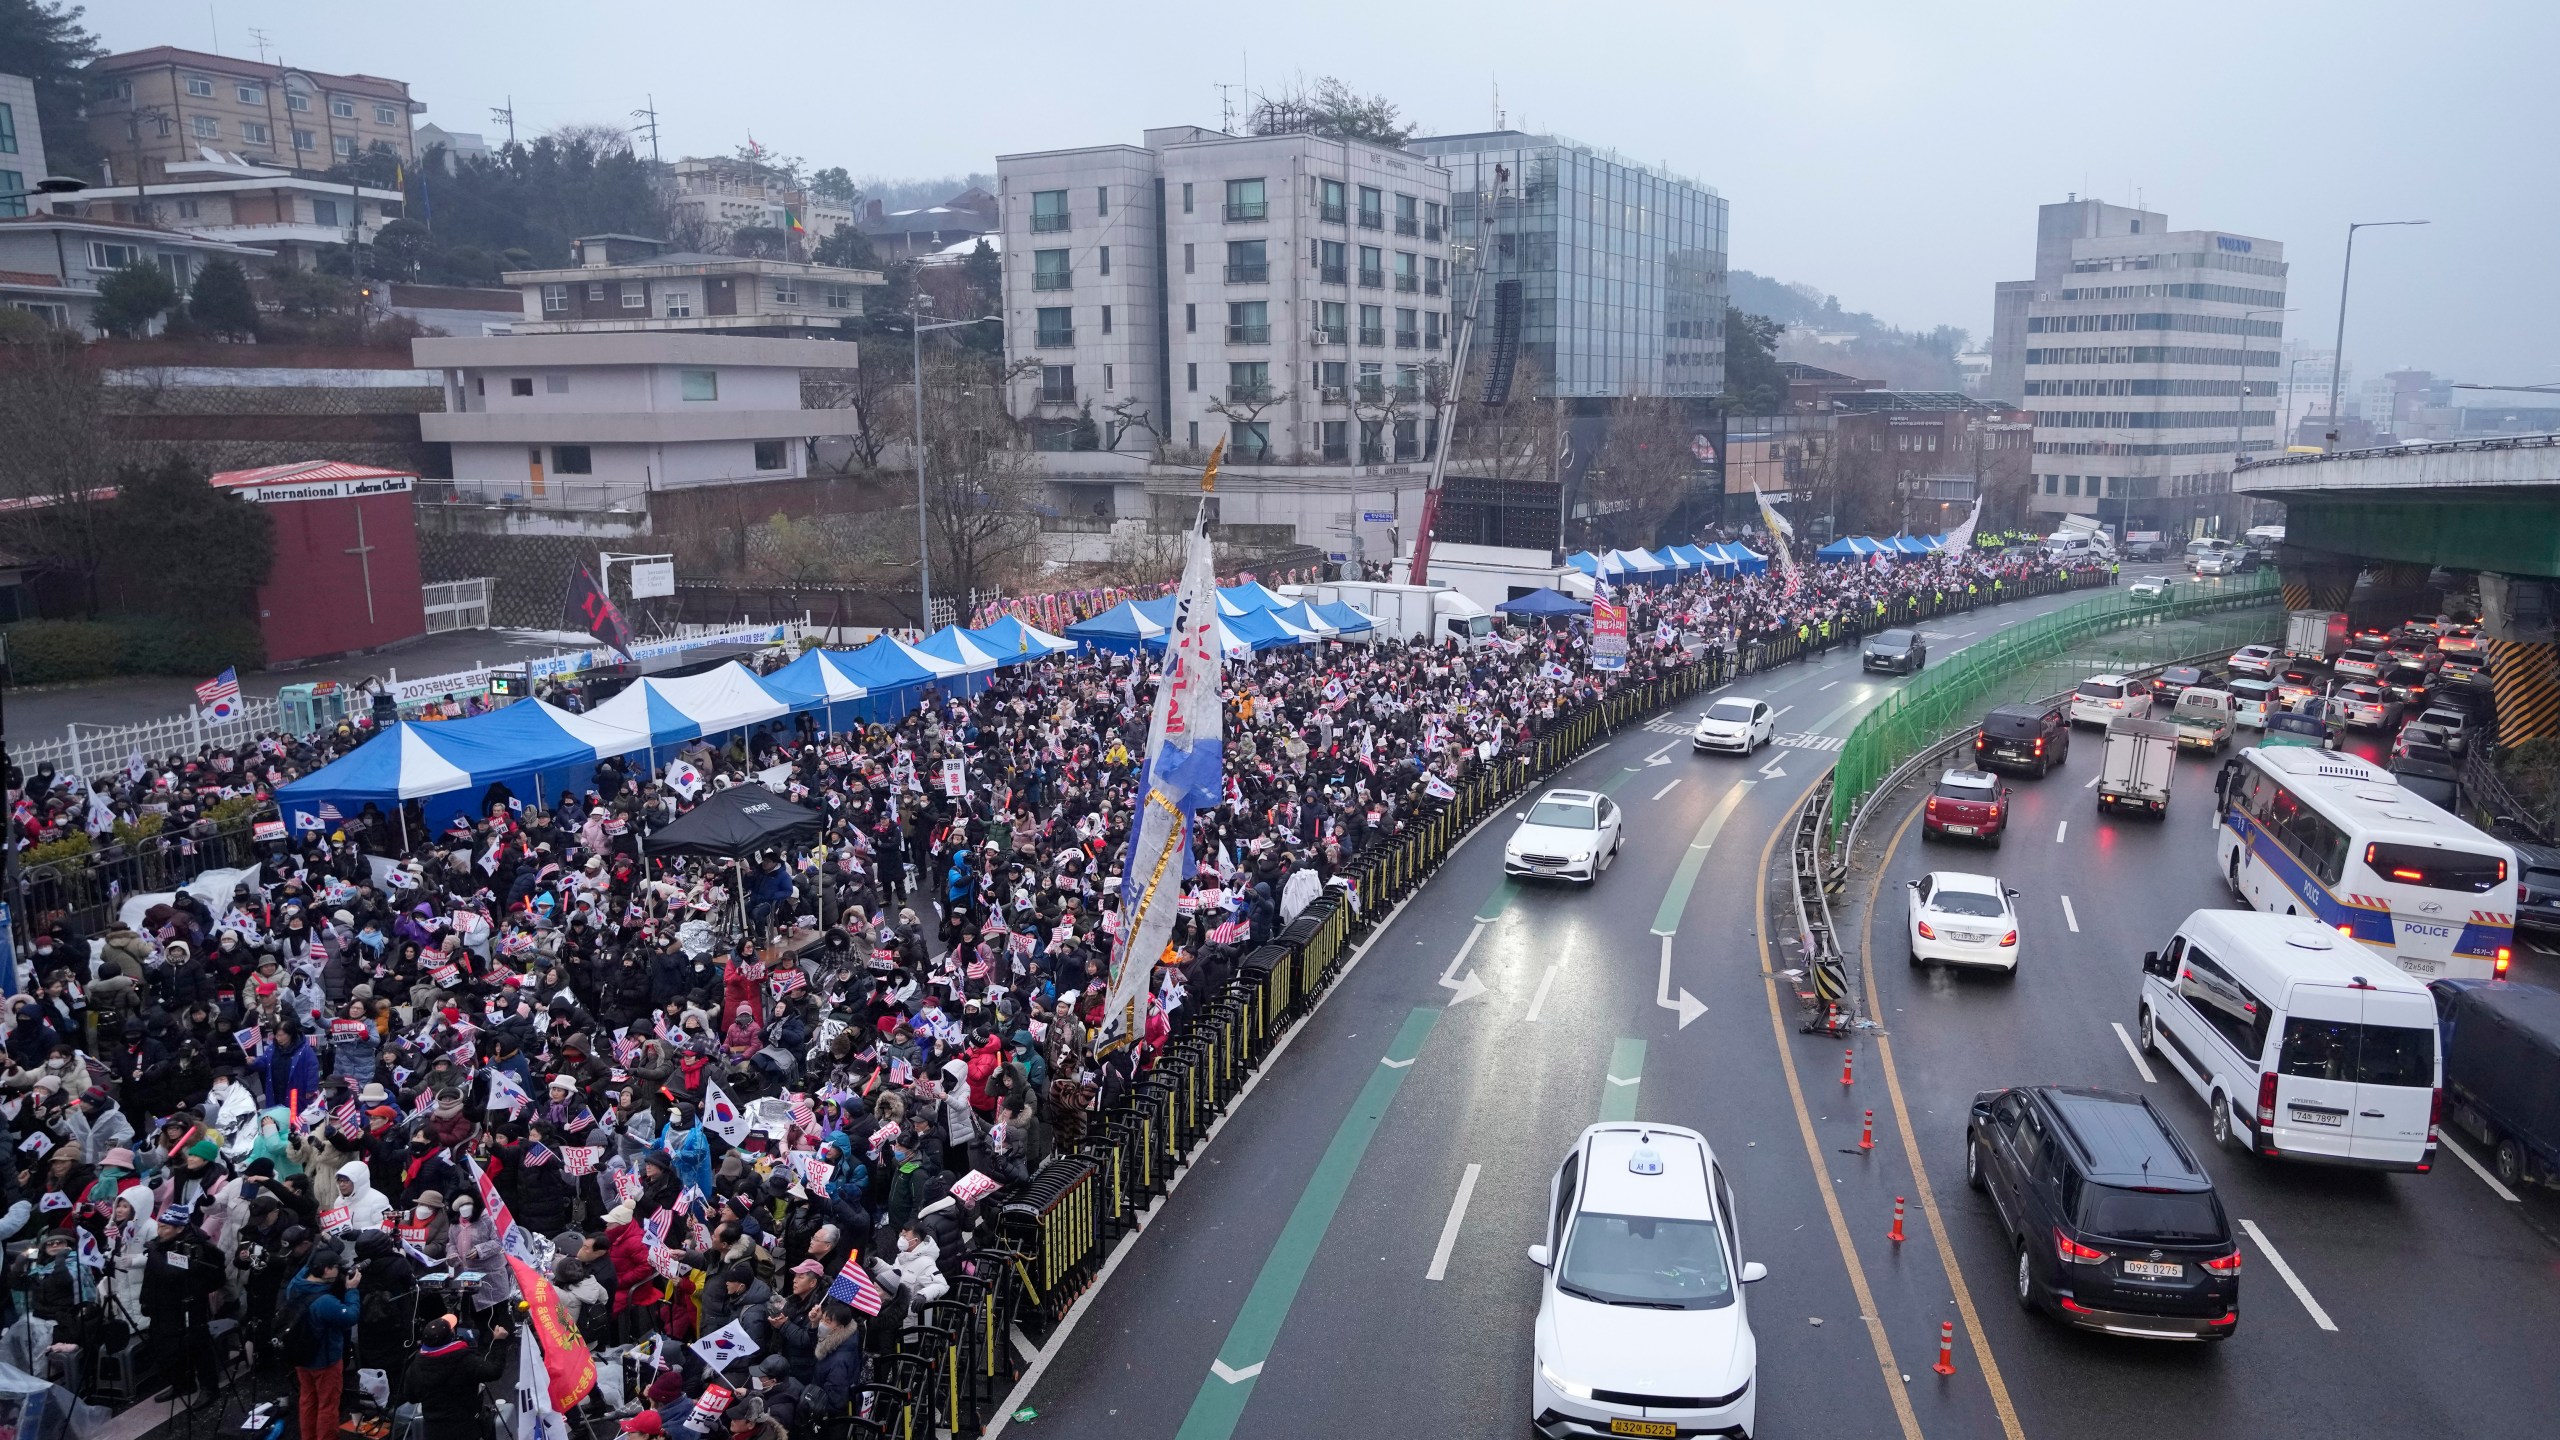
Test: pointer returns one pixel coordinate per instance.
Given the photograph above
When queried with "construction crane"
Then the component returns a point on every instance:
(1497, 385)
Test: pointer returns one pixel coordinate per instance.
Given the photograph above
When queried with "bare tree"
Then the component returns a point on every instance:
(59, 448)
(1644, 468)
(1518, 439)
(1127, 415)
(1244, 406)
(982, 489)
(867, 397)
(601, 138)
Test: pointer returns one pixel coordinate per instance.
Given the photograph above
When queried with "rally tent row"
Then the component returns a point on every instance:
(1860, 547)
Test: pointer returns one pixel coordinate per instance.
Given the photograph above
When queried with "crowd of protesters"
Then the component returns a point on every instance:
(787, 1094)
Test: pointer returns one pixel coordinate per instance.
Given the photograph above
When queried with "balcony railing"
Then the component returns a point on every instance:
(1248, 210)
(1052, 393)
(1373, 219)
(1431, 232)
(1333, 395)
(1371, 391)
(1407, 225)
(1330, 214)
(1333, 274)
(1044, 224)
(1370, 336)
(1248, 334)
(1408, 339)
(1332, 335)
(1430, 287)
(1337, 450)
(1055, 339)
(1373, 279)
(1253, 274)
(1249, 394)
(1053, 280)
(1408, 283)
(1431, 340)
(1407, 394)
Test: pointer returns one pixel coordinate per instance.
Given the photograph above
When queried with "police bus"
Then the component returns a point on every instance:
(2304, 831)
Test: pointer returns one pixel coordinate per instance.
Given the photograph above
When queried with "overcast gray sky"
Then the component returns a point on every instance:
(1892, 154)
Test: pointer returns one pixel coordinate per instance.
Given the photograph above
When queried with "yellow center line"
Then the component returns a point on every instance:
(1911, 1146)
(1893, 1386)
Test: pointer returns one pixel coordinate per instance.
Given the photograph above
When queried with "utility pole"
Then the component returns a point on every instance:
(2240, 417)
(506, 115)
(160, 118)
(649, 115)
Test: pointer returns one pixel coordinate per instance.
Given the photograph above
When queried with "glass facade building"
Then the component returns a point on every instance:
(1621, 266)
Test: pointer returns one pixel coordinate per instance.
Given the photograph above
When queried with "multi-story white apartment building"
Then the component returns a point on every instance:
(2150, 358)
(22, 161)
(1286, 293)
(630, 282)
(713, 198)
(594, 422)
(298, 216)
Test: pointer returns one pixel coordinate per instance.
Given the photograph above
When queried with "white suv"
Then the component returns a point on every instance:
(1642, 1328)
(2101, 699)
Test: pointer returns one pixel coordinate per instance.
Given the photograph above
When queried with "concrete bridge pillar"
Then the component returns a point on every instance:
(2516, 621)
(2312, 580)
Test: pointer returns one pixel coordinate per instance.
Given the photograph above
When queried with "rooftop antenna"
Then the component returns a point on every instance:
(1497, 104)
(649, 115)
(258, 38)
(213, 13)
(1226, 107)
(506, 115)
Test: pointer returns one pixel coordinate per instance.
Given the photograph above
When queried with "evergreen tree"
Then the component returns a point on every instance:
(1753, 384)
(220, 303)
(44, 41)
(131, 298)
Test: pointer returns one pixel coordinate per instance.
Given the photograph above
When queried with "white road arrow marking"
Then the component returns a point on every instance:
(1394, 1064)
(1616, 1080)
(1463, 988)
(1689, 1006)
(1220, 1369)
(1775, 768)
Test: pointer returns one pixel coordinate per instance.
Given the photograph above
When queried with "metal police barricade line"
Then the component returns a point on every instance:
(1052, 1227)
(1271, 990)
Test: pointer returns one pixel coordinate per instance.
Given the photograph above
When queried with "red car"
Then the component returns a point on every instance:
(1969, 805)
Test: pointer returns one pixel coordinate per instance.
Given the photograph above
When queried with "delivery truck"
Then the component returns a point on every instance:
(1491, 574)
(1430, 613)
(2315, 634)
(2141, 758)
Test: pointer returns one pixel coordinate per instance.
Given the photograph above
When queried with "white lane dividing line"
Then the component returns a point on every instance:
(2071, 918)
(2301, 1292)
(2136, 1052)
(1818, 689)
(1449, 1231)
(1665, 790)
(2478, 1169)
(1538, 1001)
(2060, 829)
(2092, 782)
(1781, 710)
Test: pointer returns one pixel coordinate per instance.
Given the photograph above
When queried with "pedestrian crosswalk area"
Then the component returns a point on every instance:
(1672, 724)
(1802, 741)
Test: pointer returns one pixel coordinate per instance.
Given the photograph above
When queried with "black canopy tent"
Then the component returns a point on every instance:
(736, 823)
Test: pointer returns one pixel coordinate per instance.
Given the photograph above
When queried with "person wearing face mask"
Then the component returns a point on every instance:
(916, 1270)
(231, 1110)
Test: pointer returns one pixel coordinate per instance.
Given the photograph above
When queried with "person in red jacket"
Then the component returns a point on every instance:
(635, 1280)
(985, 1058)
(742, 983)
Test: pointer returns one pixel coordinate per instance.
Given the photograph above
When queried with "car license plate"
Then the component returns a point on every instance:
(1959, 829)
(2156, 1269)
(2318, 1117)
(2416, 966)
(1643, 1427)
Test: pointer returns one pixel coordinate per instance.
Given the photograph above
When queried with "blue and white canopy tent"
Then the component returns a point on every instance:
(820, 679)
(689, 707)
(1622, 566)
(533, 748)
(1013, 642)
(1251, 595)
(960, 648)
(1122, 629)
(1346, 619)
(1746, 561)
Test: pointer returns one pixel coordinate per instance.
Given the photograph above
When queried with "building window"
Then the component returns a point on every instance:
(344, 145)
(1191, 434)
(1408, 271)
(1245, 200)
(1249, 322)
(1373, 208)
(1101, 199)
(297, 101)
(1186, 259)
(250, 94)
(1373, 268)
(1057, 384)
(342, 107)
(1105, 252)
(1248, 262)
(206, 127)
(1373, 325)
(770, 455)
(200, 86)
(679, 304)
(1190, 319)
(106, 255)
(555, 382)
(572, 460)
(2070, 484)
(839, 297)
(555, 299)
(1048, 211)
(256, 133)
(386, 114)
(1333, 323)
(1056, 325)
(1049, 270)
(1106, 377)
(786, 290)
(1191, 377)
(175, 266)
(1408, 216)
(1249, 440)
(1331, 202)
(324, 212)
(13, 184)
(1106, 319)
(635, 295)
(595, 290)
(520, 386)
(699, 384)
(1186, 197)
(1333, 262)
(305, 140)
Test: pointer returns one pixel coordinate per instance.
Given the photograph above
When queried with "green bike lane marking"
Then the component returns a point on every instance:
(1666, 921)
(1626, 1073)
(1229, 1384)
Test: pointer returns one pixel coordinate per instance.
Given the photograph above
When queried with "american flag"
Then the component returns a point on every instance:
(855, 1288)
(803, 1114)
(978, 969)
(654, 1229)
(225, 686)
(786, 981)
(1227, 934)
(329, 811)
(537, 1153)
(350, 1118)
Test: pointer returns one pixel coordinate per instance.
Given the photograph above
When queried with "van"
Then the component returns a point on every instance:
(2250, 701)
(2303, 1044)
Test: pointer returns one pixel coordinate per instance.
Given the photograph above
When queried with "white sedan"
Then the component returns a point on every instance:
(1961, 919)
(2149, 587)
(1567, 835)
(1642, 1328)
(1736, 724)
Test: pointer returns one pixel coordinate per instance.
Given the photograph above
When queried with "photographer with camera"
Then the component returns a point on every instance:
(320, 1310)
(447, 1377)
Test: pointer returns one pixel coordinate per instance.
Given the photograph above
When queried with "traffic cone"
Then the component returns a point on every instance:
(1946, 1348)
(1867, 1132)
(1896, 1234)
(1847, 1057)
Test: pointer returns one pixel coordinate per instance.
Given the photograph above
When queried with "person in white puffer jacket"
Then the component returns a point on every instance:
(916, 1270)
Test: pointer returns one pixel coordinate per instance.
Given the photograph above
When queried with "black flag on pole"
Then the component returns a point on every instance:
(593, 611)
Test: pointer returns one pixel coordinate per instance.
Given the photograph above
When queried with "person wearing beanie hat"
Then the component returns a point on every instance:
(446, 1377)
(181, 1274)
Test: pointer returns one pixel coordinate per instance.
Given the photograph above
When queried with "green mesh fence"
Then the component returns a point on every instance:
(2045, 656)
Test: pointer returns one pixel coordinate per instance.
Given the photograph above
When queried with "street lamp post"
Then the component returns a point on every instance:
(49, 185)
(2240, 417)
(2338, 356)
(916, 326)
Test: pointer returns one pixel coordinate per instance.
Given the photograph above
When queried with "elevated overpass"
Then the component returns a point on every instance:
(2491, 506)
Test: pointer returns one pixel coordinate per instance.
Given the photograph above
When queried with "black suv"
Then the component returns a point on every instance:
(1900, 651)
(2028, 738)
(2112, 1224)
